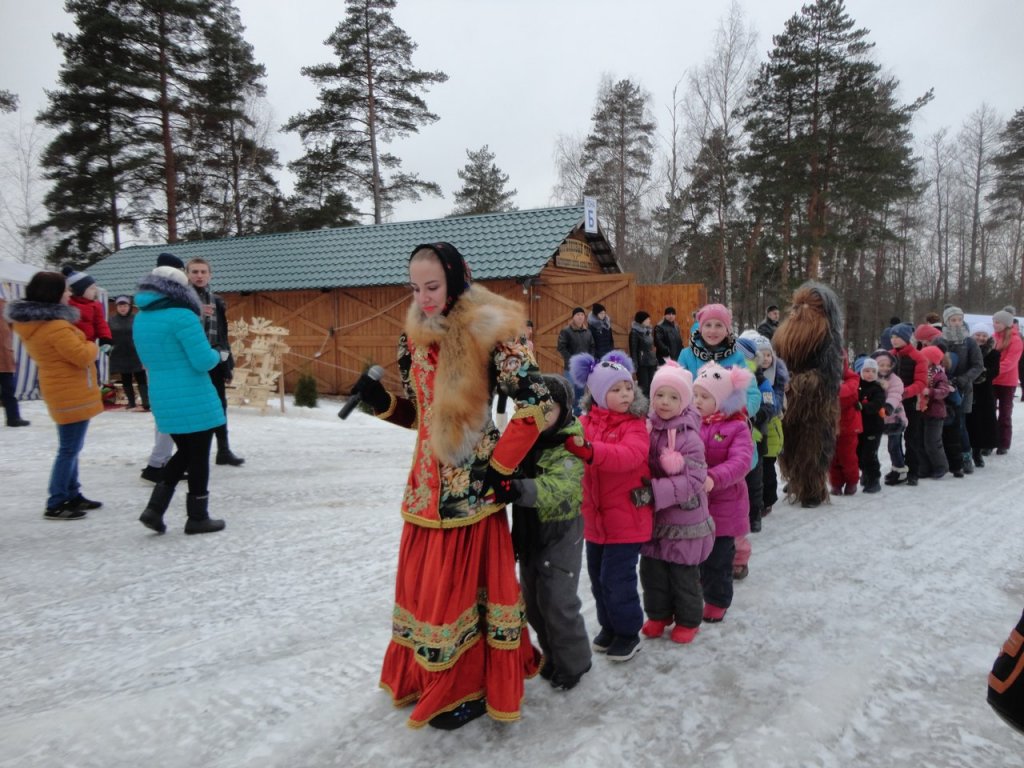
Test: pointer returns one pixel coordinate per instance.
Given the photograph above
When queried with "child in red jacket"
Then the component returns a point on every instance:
(92, 321)
(616, 517)
(844, 473)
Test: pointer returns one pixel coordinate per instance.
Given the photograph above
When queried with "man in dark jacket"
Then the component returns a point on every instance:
(573, 339)
(668, 342)
(770, 323)
(215, 323)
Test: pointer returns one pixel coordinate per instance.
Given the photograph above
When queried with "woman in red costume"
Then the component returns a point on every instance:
(460, 646)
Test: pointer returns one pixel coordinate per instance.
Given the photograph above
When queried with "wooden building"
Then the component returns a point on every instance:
(343, 295)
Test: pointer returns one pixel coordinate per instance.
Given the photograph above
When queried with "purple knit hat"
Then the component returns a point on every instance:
(600, 375)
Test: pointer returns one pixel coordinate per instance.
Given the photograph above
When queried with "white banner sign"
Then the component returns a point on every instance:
(590, 215)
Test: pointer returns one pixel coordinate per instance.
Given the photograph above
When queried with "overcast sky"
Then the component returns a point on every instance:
(523, 71)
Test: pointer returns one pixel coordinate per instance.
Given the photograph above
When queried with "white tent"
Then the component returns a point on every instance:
(14, 276)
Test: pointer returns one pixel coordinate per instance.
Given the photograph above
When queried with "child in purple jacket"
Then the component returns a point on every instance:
(719, 395)
(683, 530)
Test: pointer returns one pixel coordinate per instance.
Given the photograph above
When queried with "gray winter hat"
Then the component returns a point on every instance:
(949, 312)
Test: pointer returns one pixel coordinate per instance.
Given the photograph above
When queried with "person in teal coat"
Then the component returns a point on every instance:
(172, 345)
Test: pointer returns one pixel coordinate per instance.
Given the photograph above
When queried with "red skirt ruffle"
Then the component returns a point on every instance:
(459, 624)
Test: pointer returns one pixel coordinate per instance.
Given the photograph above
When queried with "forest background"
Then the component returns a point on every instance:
(767, 162)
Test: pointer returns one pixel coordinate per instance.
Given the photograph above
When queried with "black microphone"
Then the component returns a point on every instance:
(376, 373)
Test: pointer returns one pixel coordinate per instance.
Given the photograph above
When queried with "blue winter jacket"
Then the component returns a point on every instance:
(178, 357)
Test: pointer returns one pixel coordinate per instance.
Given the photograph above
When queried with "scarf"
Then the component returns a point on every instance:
(704, 354)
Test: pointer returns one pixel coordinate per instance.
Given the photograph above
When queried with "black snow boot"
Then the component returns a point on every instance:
(224, 454)
(198, 517)
(755, 519)
(871, 484)
(153, 515)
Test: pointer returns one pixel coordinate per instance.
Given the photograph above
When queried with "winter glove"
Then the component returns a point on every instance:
(506, 491)
(642, 496)
(887, 409)
(859, 406)
(106, 348)
(578, 446)
(372, 393)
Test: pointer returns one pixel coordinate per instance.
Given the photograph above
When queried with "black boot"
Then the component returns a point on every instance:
(153, 515)
(755, 520)
(224, 454)
(198, 517)
(871, 484)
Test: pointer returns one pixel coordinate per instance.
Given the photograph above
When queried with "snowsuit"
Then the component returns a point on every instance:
(844, 471)
(872, 398)
(932, 405)
(614, 528)
(547, 534)
(684, 533)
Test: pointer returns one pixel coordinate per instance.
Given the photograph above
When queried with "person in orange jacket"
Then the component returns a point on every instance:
(67, 379)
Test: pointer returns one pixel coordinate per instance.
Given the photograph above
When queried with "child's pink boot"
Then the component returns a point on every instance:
(655, 628)
(713, 614)
(684, 634)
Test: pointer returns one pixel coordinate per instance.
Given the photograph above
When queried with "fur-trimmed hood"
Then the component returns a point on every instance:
(466, 336)
(165, 289)
(24, 311)
(639, 407)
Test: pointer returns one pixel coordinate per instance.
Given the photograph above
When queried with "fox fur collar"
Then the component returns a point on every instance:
(466, 338)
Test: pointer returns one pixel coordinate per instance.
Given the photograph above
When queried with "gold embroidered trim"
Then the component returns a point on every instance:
(391, 408)
(501, 467)
(481, 512)
(531, 411)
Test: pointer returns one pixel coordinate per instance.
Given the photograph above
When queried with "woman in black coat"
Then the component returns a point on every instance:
(123, 357)
(981, 421)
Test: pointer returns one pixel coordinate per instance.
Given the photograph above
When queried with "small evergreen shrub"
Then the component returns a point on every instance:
(305, 391)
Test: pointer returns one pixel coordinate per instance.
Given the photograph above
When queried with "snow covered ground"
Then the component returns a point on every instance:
(862, 637)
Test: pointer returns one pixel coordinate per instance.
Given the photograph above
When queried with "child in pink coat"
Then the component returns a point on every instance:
(719, 395)
(616, 521)
(684, 533)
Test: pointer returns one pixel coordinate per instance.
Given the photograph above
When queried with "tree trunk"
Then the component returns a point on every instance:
(164, 105)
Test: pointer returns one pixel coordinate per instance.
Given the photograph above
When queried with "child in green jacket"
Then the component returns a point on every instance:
(547, 533)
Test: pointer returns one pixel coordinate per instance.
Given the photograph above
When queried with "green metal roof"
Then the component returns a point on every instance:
(515, 244)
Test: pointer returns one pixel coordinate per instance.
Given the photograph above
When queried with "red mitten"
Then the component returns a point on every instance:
(577, 446)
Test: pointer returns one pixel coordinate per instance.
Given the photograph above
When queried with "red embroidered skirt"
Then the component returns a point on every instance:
(459, 625)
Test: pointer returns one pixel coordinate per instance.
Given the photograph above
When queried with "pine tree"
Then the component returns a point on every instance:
(483, 185)
(368, 97)
(8, 101)
(829, 147)
(225, 167)
(103, 157)
(1008, 195)
(619, 155)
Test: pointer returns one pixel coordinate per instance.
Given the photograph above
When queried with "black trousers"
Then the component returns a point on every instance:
(129, 390)
(867, 457)
(672, 592)
(193, 455)
(7, 395)
(716, 572)
(219, 381)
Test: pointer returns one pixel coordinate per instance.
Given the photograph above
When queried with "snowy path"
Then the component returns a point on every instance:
(862, 637)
